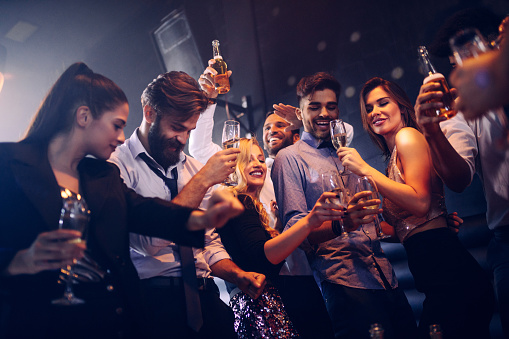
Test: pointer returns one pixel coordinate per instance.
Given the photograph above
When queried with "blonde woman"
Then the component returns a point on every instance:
(253, 245)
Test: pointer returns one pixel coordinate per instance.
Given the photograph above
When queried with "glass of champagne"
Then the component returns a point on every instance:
(469, 43)
(338, 136)
(231, 137)
(332, 182)
(73, 216)
(366, 183)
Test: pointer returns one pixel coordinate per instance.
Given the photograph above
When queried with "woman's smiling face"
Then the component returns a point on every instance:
(384, 114)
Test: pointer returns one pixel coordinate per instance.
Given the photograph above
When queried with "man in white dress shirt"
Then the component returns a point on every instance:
(148, 162)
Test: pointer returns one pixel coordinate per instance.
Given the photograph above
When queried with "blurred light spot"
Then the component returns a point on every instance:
(397, 73)
(291, 80)
(350, 91)
(249, 135)
(356, 36)
(1, 81)
(322, 45)
(21, 31)
(275, 11)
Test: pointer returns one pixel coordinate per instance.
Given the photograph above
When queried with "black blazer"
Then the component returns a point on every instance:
(30, 203)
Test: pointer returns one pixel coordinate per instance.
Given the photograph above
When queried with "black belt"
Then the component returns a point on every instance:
(203, 283)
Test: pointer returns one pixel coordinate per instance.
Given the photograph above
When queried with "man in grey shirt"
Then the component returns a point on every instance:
(357, 280)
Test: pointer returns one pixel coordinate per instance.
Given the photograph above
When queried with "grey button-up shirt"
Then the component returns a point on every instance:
(352, 262)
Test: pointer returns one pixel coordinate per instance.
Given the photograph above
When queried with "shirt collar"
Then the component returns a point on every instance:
(309, 139)
(136, 147)
(269, 161)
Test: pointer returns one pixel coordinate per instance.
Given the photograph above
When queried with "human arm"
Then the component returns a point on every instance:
(201, 146)
(414, 164)
(251, 283)
(450, 166)
(280, 247)
(483, 82)
(215, 171)
(287, 112)
(49, 251)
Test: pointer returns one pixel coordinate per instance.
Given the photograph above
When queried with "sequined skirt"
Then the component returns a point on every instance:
(264, 317)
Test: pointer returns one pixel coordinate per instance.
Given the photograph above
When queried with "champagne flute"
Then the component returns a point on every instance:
(331, 182)
(338, 136)
(366, 183)
(74, 216)
(231, 137)
(469, 43)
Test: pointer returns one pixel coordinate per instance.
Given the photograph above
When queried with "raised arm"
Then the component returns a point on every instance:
(201, 146)
(414, 163)
(451, 167)
(287, 112)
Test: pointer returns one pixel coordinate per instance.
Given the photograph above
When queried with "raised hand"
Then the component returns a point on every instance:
(357, 213)
(325, 209)
(206, 80)
(220, 166)
(223, 206)
(429, 125)
(288, 112)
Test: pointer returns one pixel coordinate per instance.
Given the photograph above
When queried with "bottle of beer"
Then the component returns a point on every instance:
(376, 331)
(432, 75)
(221, 81)
(435, 332)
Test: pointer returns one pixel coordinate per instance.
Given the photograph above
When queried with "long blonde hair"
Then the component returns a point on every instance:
(243, 159)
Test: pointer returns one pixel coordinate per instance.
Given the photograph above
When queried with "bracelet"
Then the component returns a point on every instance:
(212, 101)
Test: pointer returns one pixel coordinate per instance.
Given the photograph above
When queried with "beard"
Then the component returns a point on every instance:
(161, 148)
(272, 151)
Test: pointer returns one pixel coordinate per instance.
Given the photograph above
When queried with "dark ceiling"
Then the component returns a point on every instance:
(268, 44)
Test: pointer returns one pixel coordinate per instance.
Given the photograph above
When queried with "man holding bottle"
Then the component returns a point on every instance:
(460, 148)
(152, 163)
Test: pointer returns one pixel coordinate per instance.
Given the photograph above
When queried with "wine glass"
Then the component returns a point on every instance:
(469, 43)
(332, 182)
(231, 137)
(338, 136)
(73, 216)
(366, 183)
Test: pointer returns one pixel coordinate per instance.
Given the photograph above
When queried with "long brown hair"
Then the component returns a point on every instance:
(397, 94)
(243, 159)
(77, 86)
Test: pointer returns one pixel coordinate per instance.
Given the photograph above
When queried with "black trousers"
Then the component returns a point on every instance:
(305, 306)
(459, 295)
(167, 312)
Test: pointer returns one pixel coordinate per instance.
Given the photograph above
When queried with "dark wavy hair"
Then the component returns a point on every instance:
(77, 86)
(397, 94)
(317, 82)
(176, 94)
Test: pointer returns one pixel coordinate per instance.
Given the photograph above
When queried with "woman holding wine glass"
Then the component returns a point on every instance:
(253, 245)
(456, 288)
(83, 114)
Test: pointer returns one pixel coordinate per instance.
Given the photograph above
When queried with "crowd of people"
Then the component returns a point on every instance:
(272, 236)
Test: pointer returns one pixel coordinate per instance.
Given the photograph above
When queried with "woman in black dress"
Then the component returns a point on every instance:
(254, 246)
(83, 114)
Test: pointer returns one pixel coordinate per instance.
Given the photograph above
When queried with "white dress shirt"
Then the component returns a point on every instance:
(153, 256)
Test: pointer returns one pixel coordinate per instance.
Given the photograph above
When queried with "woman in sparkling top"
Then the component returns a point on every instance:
(456, 288)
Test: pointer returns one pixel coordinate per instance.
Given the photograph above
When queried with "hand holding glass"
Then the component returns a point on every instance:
(74, 216)
(366, 183)
(338, 136)
(231, 137)
(331, 182)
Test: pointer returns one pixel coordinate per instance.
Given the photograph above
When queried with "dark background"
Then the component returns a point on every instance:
(268, 44)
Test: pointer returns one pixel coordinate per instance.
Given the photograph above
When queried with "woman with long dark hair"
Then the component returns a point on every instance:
(456, 288)
(83, 115)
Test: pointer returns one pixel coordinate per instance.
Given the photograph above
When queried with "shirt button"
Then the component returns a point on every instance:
(110, 288)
